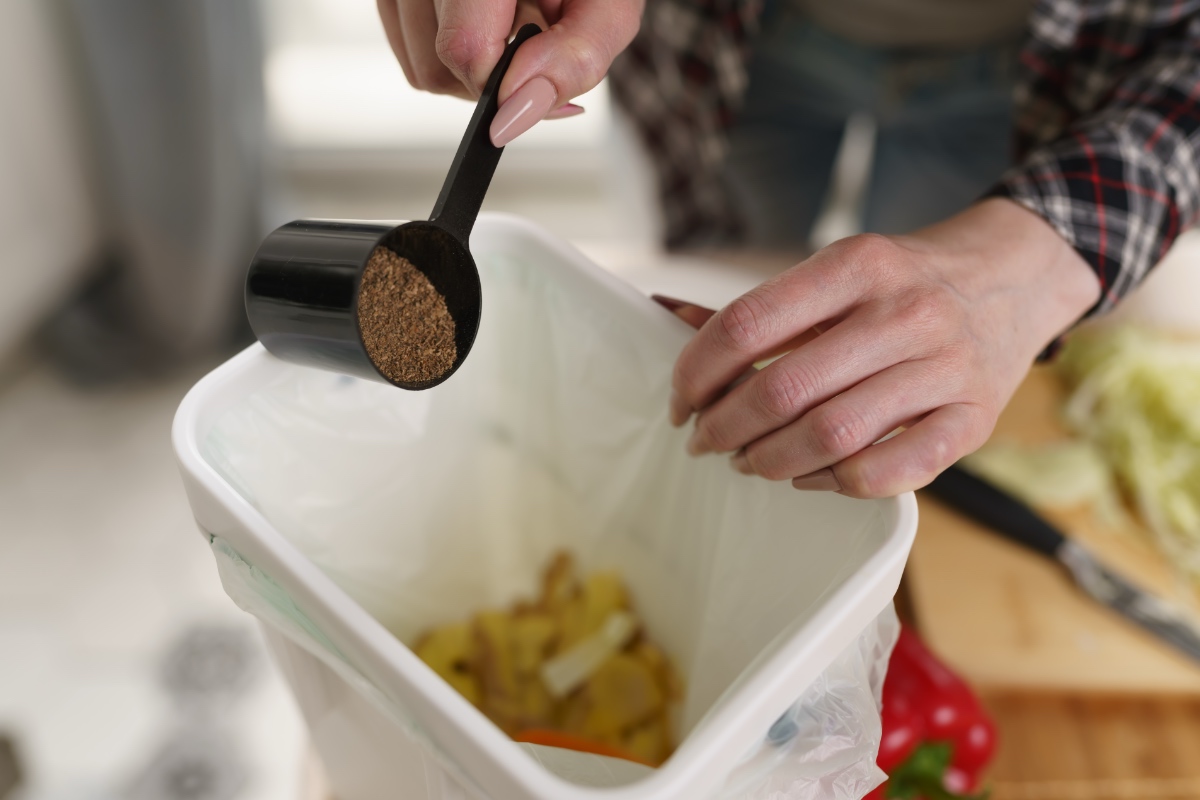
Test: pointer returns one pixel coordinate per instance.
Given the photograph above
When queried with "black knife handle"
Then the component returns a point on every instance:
(987, 505)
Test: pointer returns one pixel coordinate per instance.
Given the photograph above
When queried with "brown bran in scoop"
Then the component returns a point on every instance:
(405, 325)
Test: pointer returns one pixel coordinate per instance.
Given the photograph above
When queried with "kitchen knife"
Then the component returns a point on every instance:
(990, 506)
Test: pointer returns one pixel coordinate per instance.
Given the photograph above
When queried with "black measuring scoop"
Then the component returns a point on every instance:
(303, 284)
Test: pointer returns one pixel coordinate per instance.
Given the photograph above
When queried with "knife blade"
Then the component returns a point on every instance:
(1003, 513)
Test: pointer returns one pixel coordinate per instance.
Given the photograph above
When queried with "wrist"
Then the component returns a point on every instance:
(999, 251)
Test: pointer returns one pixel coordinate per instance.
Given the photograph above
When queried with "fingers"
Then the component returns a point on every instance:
(847, 423)
(529, 12)
(913, 458)
(551, 9)
(452, 46)
(768, 317)
(389, 14)
(419, 27)
(471, 36)
(786, 389)
(565, 61)
(695, 316)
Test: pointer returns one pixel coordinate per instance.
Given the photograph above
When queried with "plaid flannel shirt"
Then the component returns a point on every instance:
(1107, 132)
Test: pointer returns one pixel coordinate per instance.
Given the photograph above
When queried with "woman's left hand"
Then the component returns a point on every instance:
(933, 331)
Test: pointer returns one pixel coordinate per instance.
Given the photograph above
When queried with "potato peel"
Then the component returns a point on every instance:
(621, 690)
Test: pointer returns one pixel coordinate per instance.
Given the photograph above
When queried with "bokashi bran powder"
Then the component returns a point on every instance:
(404, 321)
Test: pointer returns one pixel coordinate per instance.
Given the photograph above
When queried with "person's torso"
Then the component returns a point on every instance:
(950, 24)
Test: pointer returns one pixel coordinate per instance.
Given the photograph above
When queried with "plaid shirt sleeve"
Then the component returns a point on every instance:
(1109, 130)
(681, 82)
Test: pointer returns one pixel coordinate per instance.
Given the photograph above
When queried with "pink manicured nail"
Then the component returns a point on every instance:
(696, 445)
(681, 412)
(740, 463)
(527, 106)
(669, 303)
(823, 480)
(566, 110)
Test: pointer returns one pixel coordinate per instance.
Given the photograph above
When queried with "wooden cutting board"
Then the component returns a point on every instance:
(1063, 747)
(1009, 619)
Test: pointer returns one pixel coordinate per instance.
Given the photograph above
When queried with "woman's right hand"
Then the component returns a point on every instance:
(451, 47)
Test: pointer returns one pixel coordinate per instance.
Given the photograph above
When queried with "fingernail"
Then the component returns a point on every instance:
(740, 463)
(527, 106)
(566, 110)
(823, 480)
(669, 303)
(697, 445)
(680, 410)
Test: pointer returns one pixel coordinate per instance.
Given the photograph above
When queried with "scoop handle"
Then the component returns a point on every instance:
(475, 162)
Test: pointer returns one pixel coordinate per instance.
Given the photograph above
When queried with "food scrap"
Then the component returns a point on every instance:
(573, 668)
(1135, 398)
(1071, 473)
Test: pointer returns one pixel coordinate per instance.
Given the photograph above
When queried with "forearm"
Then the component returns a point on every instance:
(1123, 180)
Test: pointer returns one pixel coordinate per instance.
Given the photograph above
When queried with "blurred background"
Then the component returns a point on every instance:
(146, 146)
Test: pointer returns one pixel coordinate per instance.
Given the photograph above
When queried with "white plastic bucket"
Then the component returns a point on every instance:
(349, 515)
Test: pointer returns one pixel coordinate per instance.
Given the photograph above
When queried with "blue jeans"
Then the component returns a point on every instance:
(944, 122)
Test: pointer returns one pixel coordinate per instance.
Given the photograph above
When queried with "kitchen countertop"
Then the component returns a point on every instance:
(1086, 747)
(1010, 620)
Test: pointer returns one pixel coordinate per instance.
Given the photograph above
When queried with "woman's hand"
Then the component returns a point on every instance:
(451, 46)
(933, 331)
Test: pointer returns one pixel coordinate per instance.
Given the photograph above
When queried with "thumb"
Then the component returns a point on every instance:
(563, 62)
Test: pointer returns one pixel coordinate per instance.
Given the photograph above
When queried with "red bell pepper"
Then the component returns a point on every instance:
(937, 737)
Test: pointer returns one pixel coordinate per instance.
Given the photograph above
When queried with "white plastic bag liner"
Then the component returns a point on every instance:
(422, 508)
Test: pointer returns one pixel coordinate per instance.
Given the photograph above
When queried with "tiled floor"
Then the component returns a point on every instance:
(101, 574)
